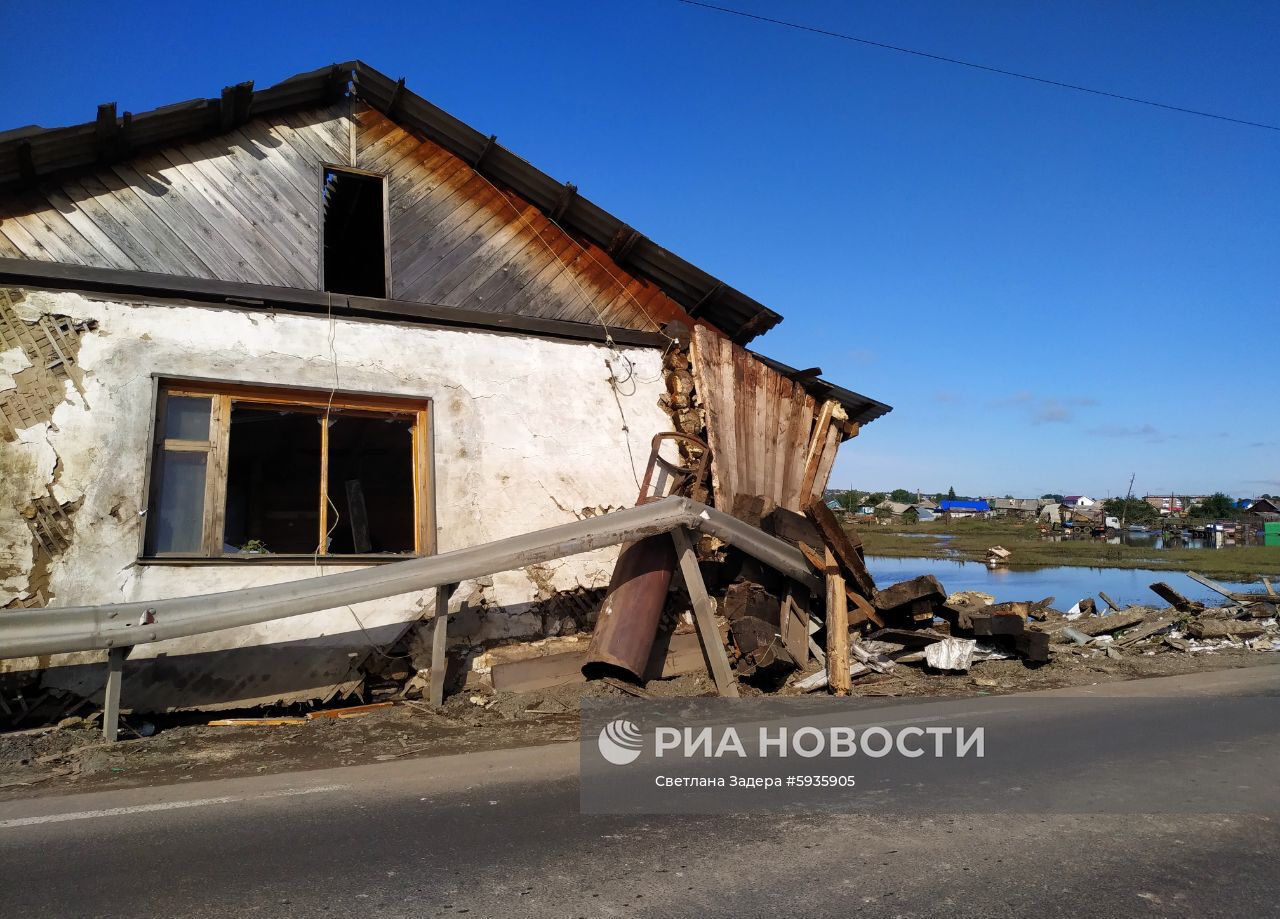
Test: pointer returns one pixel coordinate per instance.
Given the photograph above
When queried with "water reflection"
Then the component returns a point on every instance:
(1068, 584)
(1166, 540)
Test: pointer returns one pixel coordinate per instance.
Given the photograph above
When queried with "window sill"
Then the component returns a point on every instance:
(269, 559)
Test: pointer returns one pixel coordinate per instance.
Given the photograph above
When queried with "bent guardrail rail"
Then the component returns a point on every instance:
(118, 626)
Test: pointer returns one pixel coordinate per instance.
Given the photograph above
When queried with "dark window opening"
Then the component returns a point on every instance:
(250, 471)
(371, 484)
(355, 253)
(273, 478)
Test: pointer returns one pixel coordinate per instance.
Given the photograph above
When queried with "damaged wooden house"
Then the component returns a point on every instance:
(325, 326)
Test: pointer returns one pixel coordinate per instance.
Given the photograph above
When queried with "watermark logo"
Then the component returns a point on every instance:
(620, 742)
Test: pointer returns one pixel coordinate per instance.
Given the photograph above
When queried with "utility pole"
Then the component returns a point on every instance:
(1124, 508)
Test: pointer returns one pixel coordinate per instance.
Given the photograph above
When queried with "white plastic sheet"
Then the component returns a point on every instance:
(950, 654)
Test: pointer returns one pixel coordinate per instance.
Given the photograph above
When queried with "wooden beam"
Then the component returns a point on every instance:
(215, 477)
(794, 629)
(322, 547)
(704, 615)
(811, 556)
(622, 243)
(817, 444)
(838, 679)
(1212, 585)
(838, 540)
(863, 611)
(238, 295)
(706, 299)
(124, 136)
(567, 194)
(395, 99)
(1230, 595)
(484, 151)
(1111, 603)
(1174, 599)
(104, 130)
(233, 108)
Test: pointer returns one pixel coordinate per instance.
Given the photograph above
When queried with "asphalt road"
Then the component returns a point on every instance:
(500, 834)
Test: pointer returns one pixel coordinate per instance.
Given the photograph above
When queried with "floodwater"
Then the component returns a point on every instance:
(1068, 584)
(1155, 540)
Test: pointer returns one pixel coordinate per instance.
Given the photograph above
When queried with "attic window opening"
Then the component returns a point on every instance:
(354, 234)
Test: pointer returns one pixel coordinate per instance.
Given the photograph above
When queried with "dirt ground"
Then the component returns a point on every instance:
(74, 758)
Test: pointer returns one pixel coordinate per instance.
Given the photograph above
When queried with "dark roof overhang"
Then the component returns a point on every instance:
(861, 409)
(33, 153)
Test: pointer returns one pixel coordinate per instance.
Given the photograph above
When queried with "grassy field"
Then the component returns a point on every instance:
(970, 539)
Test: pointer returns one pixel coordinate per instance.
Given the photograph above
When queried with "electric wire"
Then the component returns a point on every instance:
(974, 65)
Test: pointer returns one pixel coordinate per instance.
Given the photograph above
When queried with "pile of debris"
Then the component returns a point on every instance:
(777, 629)
(1243, 622)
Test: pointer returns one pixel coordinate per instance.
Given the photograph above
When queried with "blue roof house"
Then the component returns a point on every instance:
(963, 508)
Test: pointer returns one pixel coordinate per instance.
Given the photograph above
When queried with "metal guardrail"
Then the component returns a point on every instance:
(95, 628)
(118, 626)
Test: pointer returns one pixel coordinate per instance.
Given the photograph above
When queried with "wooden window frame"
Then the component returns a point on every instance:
(386, 223)
(222, 397)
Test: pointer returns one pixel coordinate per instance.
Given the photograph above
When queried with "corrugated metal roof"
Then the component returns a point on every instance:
(30, 153)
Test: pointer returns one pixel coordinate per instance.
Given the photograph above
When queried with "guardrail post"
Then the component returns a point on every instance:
(439, 638)
(111, 695)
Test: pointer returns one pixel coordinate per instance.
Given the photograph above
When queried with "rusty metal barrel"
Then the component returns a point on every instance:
(628, 622)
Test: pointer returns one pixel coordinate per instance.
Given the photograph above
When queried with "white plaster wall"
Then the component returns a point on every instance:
(528, 433)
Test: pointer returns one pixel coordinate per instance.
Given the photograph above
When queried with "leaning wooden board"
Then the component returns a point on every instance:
(841, 543)
(760, 426)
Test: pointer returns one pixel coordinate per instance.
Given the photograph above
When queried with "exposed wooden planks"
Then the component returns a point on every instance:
(761, 428)
(245, 207)
(242, 207)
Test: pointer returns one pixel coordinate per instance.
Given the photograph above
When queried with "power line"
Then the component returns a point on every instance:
(951, 60)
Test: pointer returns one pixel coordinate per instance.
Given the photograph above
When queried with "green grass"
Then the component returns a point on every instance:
(970, 539)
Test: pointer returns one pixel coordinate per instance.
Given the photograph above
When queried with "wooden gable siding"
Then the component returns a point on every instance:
(768, 437)
(458, 240)
(245, 206)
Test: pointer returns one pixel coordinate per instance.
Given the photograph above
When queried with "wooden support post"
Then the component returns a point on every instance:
(838, 678)
(439, 638)
(1111, 603)
(1266, 582)
(704, 615)
(111, 695)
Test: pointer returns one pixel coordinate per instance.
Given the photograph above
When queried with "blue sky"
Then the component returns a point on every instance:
(1053, 290)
